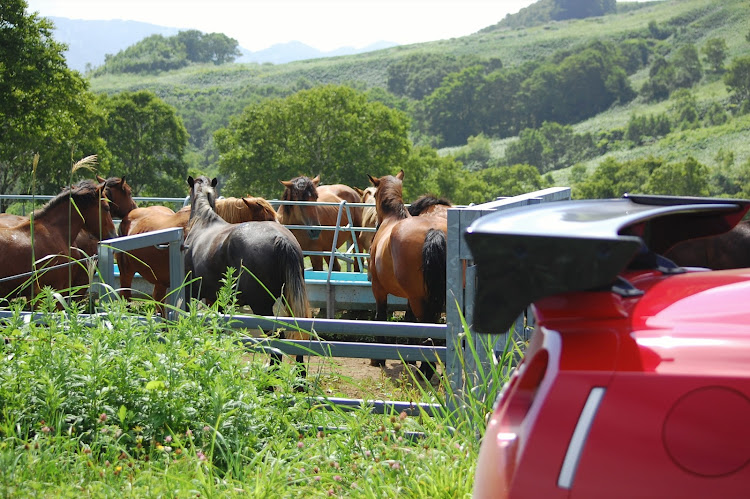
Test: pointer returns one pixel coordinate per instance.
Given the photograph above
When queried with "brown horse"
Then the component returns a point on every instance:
(306, 189)
(121, 202)
(116, 190)
(730, 250)
(153, 263)
(407, 256)
(369, 219)
(51, 228)
(247, 209)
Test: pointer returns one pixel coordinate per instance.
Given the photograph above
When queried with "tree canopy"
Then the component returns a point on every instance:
(45, 107)
(147, 141)
(159, 53)
(330, 130)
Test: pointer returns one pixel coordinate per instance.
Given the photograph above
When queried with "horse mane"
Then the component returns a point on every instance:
(391, 198)
(84, 193)
(424, 202)
(230, 209)
(369, 190)
(203, 203)
(234, 210)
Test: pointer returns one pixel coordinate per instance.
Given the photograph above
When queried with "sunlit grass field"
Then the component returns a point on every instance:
(122, 404)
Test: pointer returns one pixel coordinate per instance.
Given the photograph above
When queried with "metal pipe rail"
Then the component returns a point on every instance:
(172, 237)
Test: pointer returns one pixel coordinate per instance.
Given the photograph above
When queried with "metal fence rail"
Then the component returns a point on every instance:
(459, 297)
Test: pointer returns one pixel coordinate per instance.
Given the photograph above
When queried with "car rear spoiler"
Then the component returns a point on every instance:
(531, 252)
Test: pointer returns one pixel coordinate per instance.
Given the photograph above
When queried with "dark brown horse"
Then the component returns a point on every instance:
(266, 255)
(52, 228)
(407, 256)
(730, 250)
(153, 263)
(306, 189)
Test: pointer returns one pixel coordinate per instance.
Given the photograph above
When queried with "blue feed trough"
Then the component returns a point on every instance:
(350, 290)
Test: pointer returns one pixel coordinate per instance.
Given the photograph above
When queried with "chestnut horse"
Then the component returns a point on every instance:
(121, 202)
(369, 219)
(306, 189)
(407, 257)
(51, 228)
(266, 255)
(730, 250)
(153, 263)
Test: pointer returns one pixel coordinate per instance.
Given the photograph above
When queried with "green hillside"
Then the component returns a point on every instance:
(207, 96)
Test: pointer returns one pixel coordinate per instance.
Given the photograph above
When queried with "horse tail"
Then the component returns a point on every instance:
(295, 301)
(434, 252)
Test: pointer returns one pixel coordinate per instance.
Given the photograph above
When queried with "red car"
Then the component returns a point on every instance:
(636, 381)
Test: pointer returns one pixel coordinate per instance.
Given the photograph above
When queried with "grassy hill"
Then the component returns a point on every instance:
(207, 96)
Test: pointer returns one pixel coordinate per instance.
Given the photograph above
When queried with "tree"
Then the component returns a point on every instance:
(549, 147)
(737, 78)
(418, 75)
(612, 179)
(159, 53)
(580, 9)
(715, 53)
(660, 81)
(45, 107)
(685, 109)
(476, 154)
(214, 47)
(330, 130)
(679, 179)
(450, 112)
(688, 70)
(147, 140)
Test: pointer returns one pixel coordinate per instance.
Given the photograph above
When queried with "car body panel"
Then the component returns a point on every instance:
(642, 393)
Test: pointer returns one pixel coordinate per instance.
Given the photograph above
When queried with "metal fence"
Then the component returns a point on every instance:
(459, 298)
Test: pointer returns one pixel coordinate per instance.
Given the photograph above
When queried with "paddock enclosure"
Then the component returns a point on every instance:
(349, 290)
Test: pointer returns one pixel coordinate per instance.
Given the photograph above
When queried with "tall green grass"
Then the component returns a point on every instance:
(124, 404)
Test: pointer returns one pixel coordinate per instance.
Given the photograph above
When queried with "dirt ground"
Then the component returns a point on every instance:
(356, 378)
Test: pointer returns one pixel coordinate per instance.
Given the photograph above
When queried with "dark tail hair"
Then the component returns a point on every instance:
(434, 252)
(295, 294)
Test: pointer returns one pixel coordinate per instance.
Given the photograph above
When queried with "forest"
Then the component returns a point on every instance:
(606, 97)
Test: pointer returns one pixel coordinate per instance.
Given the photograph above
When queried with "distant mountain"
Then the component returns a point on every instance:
(89, 41)
(281, 53)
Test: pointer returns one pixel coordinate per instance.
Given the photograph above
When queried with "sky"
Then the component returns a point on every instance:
(322, 24)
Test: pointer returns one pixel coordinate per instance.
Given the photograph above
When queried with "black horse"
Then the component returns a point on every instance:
(266, 253)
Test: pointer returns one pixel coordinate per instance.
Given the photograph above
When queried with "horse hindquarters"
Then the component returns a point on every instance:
(290, 258)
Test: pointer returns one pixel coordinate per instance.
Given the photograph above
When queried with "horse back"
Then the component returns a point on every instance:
(730, 250)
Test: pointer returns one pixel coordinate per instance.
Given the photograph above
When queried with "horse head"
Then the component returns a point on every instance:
(301, 189)
(92, 204)
(119, 194)
(260, 209)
